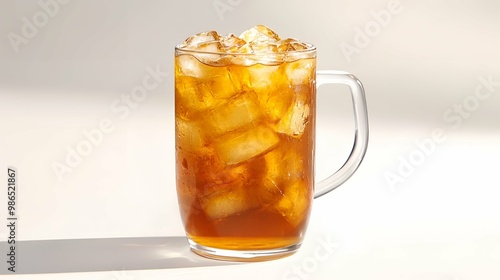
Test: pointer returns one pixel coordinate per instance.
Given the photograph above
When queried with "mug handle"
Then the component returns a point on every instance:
(360, 129)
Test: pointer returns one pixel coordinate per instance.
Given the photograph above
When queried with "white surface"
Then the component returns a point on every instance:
(436, 225)
(442, 222)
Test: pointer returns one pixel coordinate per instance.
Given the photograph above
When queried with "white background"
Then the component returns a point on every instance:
(439, 219)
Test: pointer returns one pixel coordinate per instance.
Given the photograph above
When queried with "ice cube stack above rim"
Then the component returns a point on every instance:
(258, 44)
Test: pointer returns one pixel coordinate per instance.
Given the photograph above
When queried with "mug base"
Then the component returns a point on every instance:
(242, 255)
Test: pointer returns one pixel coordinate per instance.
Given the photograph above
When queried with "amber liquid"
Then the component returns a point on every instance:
(244, 152)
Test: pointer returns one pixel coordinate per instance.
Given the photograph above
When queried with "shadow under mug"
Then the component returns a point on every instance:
(245, 134)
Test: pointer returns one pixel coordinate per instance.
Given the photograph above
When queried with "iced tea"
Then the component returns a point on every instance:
(244, 108)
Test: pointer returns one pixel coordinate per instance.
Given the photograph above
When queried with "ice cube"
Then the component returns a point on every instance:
(242, 60)
(291, 44)
(232, 43)
(262, 77)
(217, 177)
(195, 41)
(239, 77)
(188, 65)
(209, 46)
(284, 165)
(278, 102)
(192, 96)
(259, 33)
(201, 86)
(268, 192)
(234, 148)
(228, 199)
(295, 119)
(273, 90)
(300, 71)
(246, 48)
(188, 135)
(264, 48)
(294, 203)
(213, 47)
(237, 113)
(267, 53)
(262, 41)
(226, 82)
(211, 53)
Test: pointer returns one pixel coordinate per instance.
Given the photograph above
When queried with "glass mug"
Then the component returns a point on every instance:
(245, 132)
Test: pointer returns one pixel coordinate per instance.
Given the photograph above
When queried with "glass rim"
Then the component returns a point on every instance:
(310, 49)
